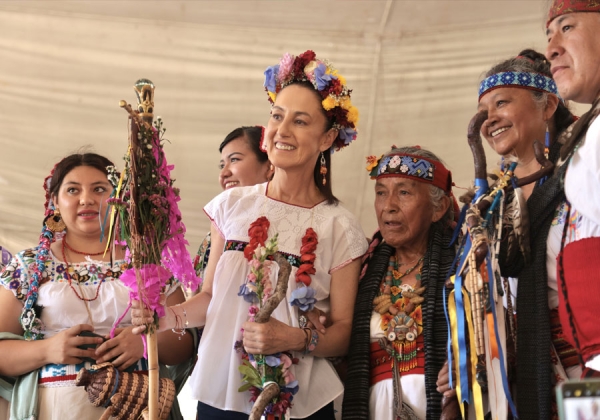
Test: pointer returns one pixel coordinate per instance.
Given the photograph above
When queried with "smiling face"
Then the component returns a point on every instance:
(405, 212)
(296, 133)
(574, 54)
(514, 121)
(240, 166)
(83, 190)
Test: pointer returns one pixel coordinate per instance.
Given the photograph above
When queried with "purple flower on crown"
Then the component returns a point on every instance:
(347, 135)
(271, 78)
(322, 79)
(286, 64)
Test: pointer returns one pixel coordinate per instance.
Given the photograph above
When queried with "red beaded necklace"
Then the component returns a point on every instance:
(68, 276)
(65, 244)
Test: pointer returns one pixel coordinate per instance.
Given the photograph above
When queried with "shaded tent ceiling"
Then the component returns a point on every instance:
(414, 67)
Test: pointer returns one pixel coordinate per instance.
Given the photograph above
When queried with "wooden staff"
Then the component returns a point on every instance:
(143, 117)
(264, 314)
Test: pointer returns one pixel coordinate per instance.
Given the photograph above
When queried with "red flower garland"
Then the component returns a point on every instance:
(258, 232)
(307, 257)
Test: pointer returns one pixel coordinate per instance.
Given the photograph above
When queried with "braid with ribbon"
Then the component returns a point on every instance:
(32, 325)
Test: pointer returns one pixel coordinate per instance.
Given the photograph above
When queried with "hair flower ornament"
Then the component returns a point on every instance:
(335, 95)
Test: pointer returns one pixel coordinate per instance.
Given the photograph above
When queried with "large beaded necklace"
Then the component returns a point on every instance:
(402, 320)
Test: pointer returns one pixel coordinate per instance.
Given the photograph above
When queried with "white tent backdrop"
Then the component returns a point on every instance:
(414, 67)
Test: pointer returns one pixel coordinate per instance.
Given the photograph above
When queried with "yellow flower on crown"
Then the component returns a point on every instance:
(329, 103)
(372, 162)
(353, 114)
(272, 95)
(310, 67)
(341, 78)
(345, 102)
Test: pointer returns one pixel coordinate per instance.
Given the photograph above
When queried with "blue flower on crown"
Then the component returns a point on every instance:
(539, 81)
(321, 77)
(508, 78)
(271, 78)
(524, 79)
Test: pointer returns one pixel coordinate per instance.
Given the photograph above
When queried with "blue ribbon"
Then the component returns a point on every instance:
(460, 319)
(458, 228)
(482, 187)
(491, 286)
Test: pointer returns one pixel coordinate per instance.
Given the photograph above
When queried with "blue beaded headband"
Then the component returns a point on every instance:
(520, 79)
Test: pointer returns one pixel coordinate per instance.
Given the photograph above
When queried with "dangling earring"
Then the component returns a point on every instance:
(55, 223)
(323, 169)
(547, 142)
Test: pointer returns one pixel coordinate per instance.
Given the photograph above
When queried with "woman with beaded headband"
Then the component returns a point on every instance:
(574, 54)
(64, 287)
(297, 215)
(518, 105)
(399, 336)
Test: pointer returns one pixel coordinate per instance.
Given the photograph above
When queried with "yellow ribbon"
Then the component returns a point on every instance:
(477, 397)
(113, 210)
(454, 341)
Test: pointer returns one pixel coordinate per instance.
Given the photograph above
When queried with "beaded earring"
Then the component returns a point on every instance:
(323, 169)
(55, 223)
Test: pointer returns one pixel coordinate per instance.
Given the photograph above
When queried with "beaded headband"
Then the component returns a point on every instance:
(406, 165)
(518, 79)
(563, 7)
(331, 85)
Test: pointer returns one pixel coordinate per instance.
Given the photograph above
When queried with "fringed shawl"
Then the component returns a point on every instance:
(438, 260)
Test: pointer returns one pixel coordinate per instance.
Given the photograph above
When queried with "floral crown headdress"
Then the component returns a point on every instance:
(327, 82)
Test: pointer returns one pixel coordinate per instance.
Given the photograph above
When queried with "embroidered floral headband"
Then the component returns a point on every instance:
(327, 82)
(518, 79)
(563, 7)
(406, 165)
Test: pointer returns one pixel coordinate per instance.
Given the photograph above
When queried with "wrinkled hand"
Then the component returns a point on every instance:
(316, 319)
(141, 316)
(123, 350)
(269, 338)
(443, 382)
(62, 348)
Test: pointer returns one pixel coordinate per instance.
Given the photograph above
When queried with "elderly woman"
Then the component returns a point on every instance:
(520, 110)
(399, 333)
(574, 53)
(311, 115)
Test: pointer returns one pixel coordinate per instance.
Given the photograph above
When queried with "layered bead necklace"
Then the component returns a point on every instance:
(402, 319)
(66, 246)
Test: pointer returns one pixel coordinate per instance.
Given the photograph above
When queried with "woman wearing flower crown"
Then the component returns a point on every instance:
(522, 106)
(399, 334)
(67, 286)
(297, 215)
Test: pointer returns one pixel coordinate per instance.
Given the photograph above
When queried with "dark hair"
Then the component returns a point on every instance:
(253, 136)
(326, 189)
(73, 161)
(534, 62)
